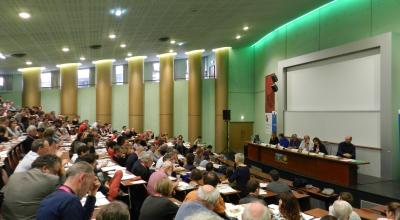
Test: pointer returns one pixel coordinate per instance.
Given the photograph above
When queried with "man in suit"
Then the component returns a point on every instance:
(25, 190)
(275, 185)
(346, 148)
(32, 135)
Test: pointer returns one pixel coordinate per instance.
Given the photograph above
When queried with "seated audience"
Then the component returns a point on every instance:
(199, 156)
(294, 141)
(159, 206)
(25, 190)
(206, 199)
(253, 187)
(204, 215)
(39, 147)
(274, 140)
(391, 210)
(306, 143)
(180, 147)
(133, 157)
(31, 136)
(289, 207)
(163, 149)
(256, 211)
(205, 161)
(114, 211)
(341, 210)
(65, 202)
(163, 172)
(241, 175)
(189, 165)
(209, 178)
(119, 156)
(283, 141)
(319, 147)
(209, 167)
(346, 148)
(81, 149)
(3, 137)
(196, 178)
(328, 217)
(13, 129)
(346, 196)
(275, 185)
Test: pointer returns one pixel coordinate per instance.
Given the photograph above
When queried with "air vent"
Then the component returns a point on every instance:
(95, 46)
(163, 39)
(18, 55)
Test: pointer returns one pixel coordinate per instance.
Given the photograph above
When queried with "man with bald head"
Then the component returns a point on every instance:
(256, 211)
(347, 149)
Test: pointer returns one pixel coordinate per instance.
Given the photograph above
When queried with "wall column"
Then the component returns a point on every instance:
(103, 90)
(195, 105)
(31, 86)
(167, 93)
(69, 89)
(221, 96)
(136, 92)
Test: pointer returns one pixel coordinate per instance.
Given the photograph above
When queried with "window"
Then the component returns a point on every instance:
(187, 70)
(156, 72)
(83, 77)
(45, 80)
(209, 67)
(1, 81)
(119, 74)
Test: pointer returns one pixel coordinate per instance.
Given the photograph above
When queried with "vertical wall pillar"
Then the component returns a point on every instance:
(103, 90)
(195, 105)
(136, 92)
(31, 86)
(69, 89)
(221, 97)
(167, 93)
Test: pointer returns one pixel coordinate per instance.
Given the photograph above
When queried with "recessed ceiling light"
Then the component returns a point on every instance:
(24, 15)
(238, 37)
(65, 49)
(122, 45)
(245, 28)
(180, 43)
(171, 50)
(117, 12)
(2, 56)
(82, 58)
(112, 36)
(129, 54)
(172, 41)
(28, 62)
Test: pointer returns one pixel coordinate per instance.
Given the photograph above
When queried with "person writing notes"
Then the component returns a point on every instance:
(347, 149)
(319, 147)
(306, 143)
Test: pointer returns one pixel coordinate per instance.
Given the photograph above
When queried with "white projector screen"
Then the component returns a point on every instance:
(336, 97)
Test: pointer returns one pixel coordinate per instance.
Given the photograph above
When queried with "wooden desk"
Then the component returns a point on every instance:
(317, 212)
(363, 213)
(345, 173)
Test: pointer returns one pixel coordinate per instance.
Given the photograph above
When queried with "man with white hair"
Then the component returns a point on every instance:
(165, 171)
(32, 135)
(341, 210)
(256, 211)
(133, 157)
(207, 197)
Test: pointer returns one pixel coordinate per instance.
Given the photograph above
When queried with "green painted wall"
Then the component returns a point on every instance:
(15, 96)
(120, 106)
(181, 100)
(87, 103)
(152, 106)
(50, 99)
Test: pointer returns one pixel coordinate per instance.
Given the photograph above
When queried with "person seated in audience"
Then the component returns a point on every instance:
(391, 210)
(3, 131)
(197, 141)
(119, 156)
(110, 148)
(348, 197)
(31, 136)
(294, 141)
(205, 215)
(13, 128)
(162, 150)
(275, 185)
(256, 211)
(253, 187)
(205, 161)
(115, 210)
(199, 156)
(65, 203)
(39, 147)
(159, 206)
(180, 147)
(209, 178)
(241, 175)
(25, 190)
(196, 178)
(283, 141)
(189, 164)
(328, 217)
(341, 210)
(40, 132)
(209, 167)
(81, 150)
(165, 171)
(346, 148)
(274, 140)
(133, 157)
(319, 147)
(306, 144)
(289, 207)
(205, 201)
